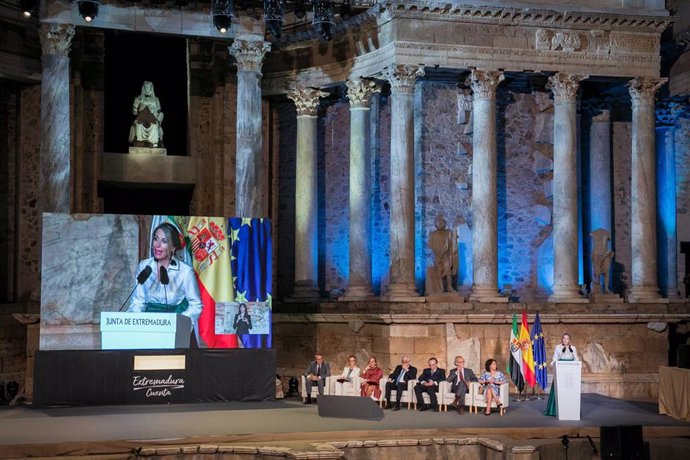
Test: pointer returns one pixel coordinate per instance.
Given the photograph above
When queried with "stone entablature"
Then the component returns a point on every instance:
(424, 33)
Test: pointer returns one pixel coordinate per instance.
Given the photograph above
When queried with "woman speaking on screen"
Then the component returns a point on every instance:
(166, 284)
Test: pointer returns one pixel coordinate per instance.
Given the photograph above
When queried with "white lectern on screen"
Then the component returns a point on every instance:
(140, 331)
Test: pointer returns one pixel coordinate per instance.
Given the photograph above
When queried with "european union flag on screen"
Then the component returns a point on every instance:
(539, 353)
(251, 269)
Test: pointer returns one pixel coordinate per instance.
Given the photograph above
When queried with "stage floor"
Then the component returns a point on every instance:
(119, 429)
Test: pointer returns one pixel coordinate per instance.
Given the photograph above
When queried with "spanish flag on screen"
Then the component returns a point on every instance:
(210, 248)
(527, 358)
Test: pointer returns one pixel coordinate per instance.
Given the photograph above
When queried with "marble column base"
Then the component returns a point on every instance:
(608, 297)
(403, 293)
(358, 293)
(645, 295)
(306, 290)
(486, 294)
(567, 294)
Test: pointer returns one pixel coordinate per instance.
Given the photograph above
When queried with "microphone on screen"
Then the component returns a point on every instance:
(165, 280)
(141, 279)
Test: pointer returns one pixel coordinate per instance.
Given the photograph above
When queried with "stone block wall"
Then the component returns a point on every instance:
(682, 140)
(12, 351)
(619, 359)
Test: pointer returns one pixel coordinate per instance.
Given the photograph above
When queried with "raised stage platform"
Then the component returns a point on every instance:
(290, 429)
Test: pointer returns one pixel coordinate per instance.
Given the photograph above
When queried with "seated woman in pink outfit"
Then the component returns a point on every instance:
(372, 375)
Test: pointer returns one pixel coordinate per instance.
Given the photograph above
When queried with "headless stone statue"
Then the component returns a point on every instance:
(146, 131)
(444, 246)
(601, 260)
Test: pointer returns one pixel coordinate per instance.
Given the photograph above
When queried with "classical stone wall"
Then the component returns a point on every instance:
(621, 139)
(619, 359)
(12, 350)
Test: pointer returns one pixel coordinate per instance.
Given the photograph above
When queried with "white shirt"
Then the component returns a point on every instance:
(564, 355)
(349, 375)
(182, 286)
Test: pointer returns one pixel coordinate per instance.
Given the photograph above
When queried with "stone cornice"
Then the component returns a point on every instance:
(535, 17)
(480, 318)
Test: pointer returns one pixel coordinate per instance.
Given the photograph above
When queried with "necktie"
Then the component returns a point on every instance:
(461, 376)
(318, 369)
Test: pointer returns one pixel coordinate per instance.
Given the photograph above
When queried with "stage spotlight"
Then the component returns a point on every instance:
(222, 11)
(300, 9)
(274, 11)
(28, 8)
(323, 18)
(346, 10)
(88, 9)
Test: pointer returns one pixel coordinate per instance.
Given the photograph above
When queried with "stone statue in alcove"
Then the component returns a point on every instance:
(147, 129)
(443, 243)
(601, 260)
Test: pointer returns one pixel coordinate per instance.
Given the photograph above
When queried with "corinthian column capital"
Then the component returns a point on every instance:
(249, 54)
(642, 90)
(56, 38)
(359, 92)
(485, 82)
(403, 77)
(306, 99)
(564, 86)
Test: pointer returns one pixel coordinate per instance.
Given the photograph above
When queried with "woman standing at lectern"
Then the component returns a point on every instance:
(166, 284)
(565, 351)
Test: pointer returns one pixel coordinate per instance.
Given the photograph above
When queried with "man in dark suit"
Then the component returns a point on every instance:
(460, 379)
(398, 381)
(428, 383)
(316, 373)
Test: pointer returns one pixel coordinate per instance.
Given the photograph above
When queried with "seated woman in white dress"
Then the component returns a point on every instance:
(347, 377)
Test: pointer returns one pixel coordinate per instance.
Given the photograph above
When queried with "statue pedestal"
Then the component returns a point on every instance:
(445, 297)
(608, 297)
(147, 151)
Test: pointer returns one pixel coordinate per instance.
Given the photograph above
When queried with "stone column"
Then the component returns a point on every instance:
(402, 79)
(643, 193)
(249, 172)
(565, 206)
(484, 183)
(600, 208)
(306, 210)
(666, 119)
(55, 118)
(359, 92)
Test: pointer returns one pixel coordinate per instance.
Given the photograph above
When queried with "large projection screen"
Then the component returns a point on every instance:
(220, 277)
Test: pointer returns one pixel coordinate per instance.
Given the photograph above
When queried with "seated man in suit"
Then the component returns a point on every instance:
(317, 372)
(460, 379)
(398, 381)
(428, 383)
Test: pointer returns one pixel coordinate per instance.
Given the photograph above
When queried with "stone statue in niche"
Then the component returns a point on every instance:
(147, 131)
(444, 247)
(601, 261)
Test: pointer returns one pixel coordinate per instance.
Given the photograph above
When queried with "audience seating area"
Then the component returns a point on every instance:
(473, 400)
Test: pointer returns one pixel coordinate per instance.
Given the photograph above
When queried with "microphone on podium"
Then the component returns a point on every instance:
(141, 279)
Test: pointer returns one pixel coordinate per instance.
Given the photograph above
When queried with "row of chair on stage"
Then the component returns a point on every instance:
(475, 399)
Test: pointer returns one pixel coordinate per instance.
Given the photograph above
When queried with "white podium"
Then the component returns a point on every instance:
(131, 331)
(568, 380)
